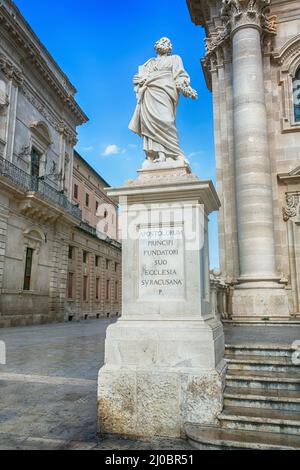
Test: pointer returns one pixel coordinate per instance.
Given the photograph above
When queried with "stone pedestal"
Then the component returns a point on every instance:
(164, 362)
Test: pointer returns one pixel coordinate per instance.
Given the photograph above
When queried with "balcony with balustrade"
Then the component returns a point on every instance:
(35, 196)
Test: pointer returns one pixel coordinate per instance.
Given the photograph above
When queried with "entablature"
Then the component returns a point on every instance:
(36, 55)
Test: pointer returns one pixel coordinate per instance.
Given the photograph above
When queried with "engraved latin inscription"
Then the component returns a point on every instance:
(161, 263)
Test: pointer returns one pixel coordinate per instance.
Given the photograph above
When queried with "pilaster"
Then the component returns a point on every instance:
(15, 79)
(3, 238)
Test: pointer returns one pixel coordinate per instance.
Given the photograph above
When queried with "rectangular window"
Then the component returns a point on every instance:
(107, 264)
(116, 290)
(87, 200)
(84, 257)
(35, 163)
(97, 207)
(97, 261)
(71, 252)
(70, 285)
(85, 288)
(116, 267)
(97, 288)
(75, 193)
(28, 268)
(107, 293)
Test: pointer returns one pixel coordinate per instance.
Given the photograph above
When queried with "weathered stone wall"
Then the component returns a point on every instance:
(93, 307)
(38, 111)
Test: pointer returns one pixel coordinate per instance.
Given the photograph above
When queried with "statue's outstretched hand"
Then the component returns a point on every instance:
(187, 91)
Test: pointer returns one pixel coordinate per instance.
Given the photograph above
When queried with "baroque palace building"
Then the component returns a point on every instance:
(252, 67)
(59, 258)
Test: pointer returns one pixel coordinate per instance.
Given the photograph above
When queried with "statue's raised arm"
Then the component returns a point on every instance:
(158, 85)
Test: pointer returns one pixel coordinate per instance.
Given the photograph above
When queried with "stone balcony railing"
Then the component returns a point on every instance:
(220, 293)
(32, 184)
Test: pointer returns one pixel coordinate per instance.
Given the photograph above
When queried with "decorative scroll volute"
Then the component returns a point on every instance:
(292, 208)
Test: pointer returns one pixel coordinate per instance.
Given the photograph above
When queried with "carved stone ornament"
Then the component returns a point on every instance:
(238, 13)
(58, 125)
(10, 71)
(292, 208)
(34, 238)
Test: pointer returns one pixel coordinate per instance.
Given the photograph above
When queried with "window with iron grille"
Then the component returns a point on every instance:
(35, 163)
(28, 268)
(75, 192)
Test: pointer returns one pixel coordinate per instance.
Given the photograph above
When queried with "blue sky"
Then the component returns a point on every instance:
(99, 45)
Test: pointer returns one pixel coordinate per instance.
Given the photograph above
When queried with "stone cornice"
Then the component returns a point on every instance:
(291, 177)
(199, 11)
(12, 21)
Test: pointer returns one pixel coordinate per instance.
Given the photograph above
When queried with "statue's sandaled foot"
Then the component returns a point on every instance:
(161, 157)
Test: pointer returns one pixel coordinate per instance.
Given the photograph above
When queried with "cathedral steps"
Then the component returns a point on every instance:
(257, 419)
(263, 363)
(263, 379)
(261, 401)
(211, 437)
(287, 400)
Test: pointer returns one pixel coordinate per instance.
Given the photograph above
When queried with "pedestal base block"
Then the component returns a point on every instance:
(261, 303)
(157, 378)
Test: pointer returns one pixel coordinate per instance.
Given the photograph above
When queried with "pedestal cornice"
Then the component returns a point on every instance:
(202, 191)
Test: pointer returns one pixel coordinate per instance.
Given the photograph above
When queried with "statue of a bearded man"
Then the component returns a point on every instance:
(158, 85)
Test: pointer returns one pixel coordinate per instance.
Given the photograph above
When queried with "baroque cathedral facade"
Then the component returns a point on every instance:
(252, 67)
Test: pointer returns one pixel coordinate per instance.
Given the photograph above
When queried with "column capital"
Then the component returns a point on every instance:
(237, 14)
(244, 13)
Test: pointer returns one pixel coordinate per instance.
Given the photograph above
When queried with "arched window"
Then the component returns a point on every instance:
(296, 92)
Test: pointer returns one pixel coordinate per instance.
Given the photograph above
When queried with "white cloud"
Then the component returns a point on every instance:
(111, 150)
(196, 154)
(87, 149)
(132, 146)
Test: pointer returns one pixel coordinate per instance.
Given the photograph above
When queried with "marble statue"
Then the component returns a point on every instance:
(158, 85)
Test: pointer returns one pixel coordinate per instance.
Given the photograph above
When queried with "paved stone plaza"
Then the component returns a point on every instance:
(49, 389)
(49, 385)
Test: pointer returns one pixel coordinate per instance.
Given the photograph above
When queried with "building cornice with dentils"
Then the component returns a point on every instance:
(36, 54)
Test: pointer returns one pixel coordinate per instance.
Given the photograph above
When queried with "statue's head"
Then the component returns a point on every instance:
(164, 46)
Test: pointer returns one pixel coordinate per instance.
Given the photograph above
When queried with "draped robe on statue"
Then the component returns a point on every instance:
(155, 115)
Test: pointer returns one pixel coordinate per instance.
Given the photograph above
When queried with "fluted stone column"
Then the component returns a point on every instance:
(253, 174)
(259, 292)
